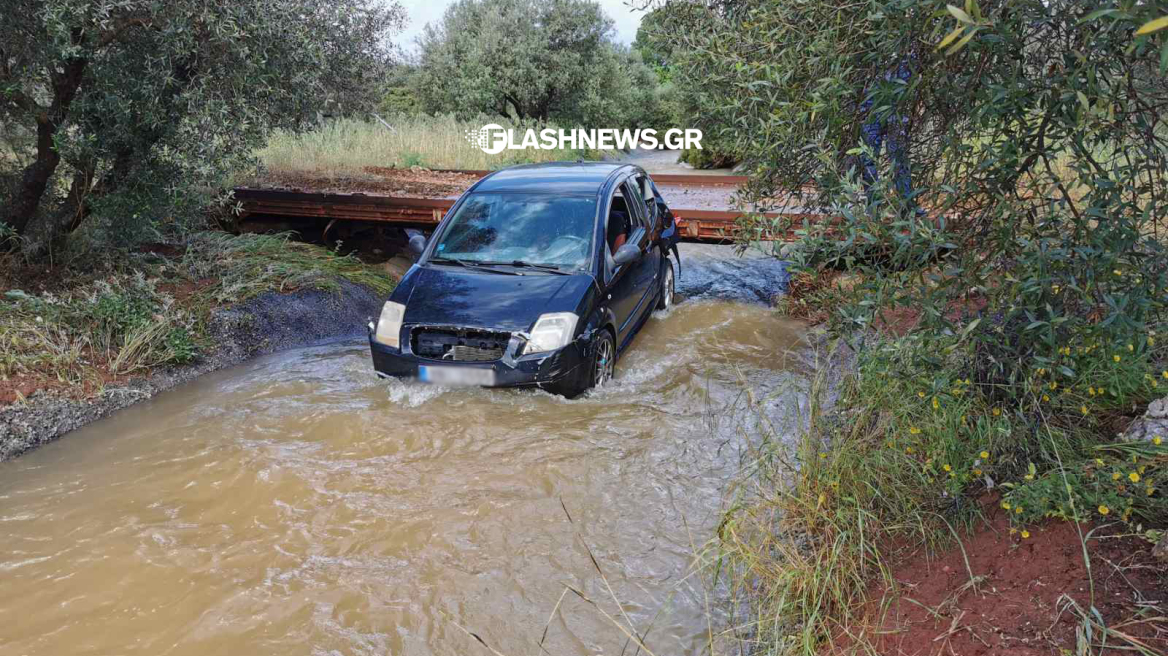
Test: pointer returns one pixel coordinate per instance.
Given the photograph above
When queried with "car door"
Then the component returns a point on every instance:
(649, 266)
(619, 284)
(631, 285)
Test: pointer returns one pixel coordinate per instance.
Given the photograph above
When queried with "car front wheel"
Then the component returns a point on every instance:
(600, 366)
(603, 359)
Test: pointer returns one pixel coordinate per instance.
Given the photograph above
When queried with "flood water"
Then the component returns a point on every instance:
(297, 504)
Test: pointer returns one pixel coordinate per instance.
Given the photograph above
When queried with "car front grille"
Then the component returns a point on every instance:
(459, 344)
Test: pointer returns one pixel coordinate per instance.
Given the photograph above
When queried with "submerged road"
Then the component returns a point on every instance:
(297, 504)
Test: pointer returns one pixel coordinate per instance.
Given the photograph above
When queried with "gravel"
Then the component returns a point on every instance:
(267, 323)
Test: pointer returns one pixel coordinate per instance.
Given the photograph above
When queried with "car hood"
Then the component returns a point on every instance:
(443, 295)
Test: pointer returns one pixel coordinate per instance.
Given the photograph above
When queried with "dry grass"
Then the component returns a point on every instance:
(345, 147)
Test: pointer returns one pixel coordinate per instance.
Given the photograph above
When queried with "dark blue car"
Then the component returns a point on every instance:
(539, 275)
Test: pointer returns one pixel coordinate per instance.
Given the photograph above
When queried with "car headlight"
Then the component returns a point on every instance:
(552, 331)
(389, 324)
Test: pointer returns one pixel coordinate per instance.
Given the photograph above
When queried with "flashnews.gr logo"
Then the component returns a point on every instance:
(494, 139)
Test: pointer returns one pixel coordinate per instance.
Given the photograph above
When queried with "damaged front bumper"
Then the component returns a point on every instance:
(562, 367)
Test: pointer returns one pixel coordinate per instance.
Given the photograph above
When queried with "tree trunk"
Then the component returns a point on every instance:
(33, 181)
(36, 176)
(51, 228)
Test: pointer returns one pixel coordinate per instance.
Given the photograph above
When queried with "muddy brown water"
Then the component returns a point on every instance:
(297, 504)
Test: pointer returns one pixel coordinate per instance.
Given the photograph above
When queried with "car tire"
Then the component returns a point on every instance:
(603, 360)
(665, 296)
(601, 367)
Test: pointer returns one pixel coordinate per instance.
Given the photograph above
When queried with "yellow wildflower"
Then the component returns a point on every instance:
(1084, 410)
(984, 455)
(1045, 397)
(1025, 535)
(1053, 385)
(1131, 348)
(997, 412)
(914, 430)
(1165, 374)
(1115, 476)
(1157, 440)
(921, 394)
(1133, 477)
(1018, 510)
(1151, 490)
(946, 468)
(1091, 391)
(1116, 358)
(909, 450)
(1103, 510)
(1006, 505)
(977, 472)
(936, 404)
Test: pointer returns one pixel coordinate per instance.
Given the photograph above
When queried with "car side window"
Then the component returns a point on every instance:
(647, 192)
(637, 201)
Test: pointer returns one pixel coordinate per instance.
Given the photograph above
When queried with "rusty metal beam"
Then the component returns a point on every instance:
(694, 225)
(686, 179)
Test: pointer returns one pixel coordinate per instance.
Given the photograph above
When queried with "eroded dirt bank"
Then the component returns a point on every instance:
(264, 324)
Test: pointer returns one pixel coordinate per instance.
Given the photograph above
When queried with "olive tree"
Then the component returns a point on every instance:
(1034, 134)
(532, 60)
(130, 102)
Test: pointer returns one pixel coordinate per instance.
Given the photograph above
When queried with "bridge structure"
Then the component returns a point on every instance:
(258, 206)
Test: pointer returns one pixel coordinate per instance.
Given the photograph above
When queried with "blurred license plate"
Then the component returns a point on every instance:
(456, 375)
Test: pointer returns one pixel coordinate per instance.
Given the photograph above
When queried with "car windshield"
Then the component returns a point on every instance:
(528, 228)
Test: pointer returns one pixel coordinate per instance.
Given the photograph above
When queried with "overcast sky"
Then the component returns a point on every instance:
(420, 12)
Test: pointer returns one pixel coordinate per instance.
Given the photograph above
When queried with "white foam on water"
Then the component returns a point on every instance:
(412, 393)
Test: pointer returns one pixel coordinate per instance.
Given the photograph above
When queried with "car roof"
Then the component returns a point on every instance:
(553, 177)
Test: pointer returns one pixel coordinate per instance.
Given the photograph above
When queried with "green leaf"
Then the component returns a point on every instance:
(1148, 27)
(1098, 13)
(1164, 58)
(961, 44)
(951, 36)
(959, 14)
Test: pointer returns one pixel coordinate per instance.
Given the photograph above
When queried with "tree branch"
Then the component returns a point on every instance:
(109, 36)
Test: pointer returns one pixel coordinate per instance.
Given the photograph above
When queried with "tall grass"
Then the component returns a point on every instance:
(346, 146)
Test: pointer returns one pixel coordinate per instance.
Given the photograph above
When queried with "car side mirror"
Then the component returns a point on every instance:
(417, 244)
(627, 253)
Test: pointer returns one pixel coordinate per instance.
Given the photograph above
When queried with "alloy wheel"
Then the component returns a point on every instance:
(605, 362)
(667, 287)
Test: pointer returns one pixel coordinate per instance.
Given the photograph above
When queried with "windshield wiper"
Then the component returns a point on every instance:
(550, 268)
(477, 266)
